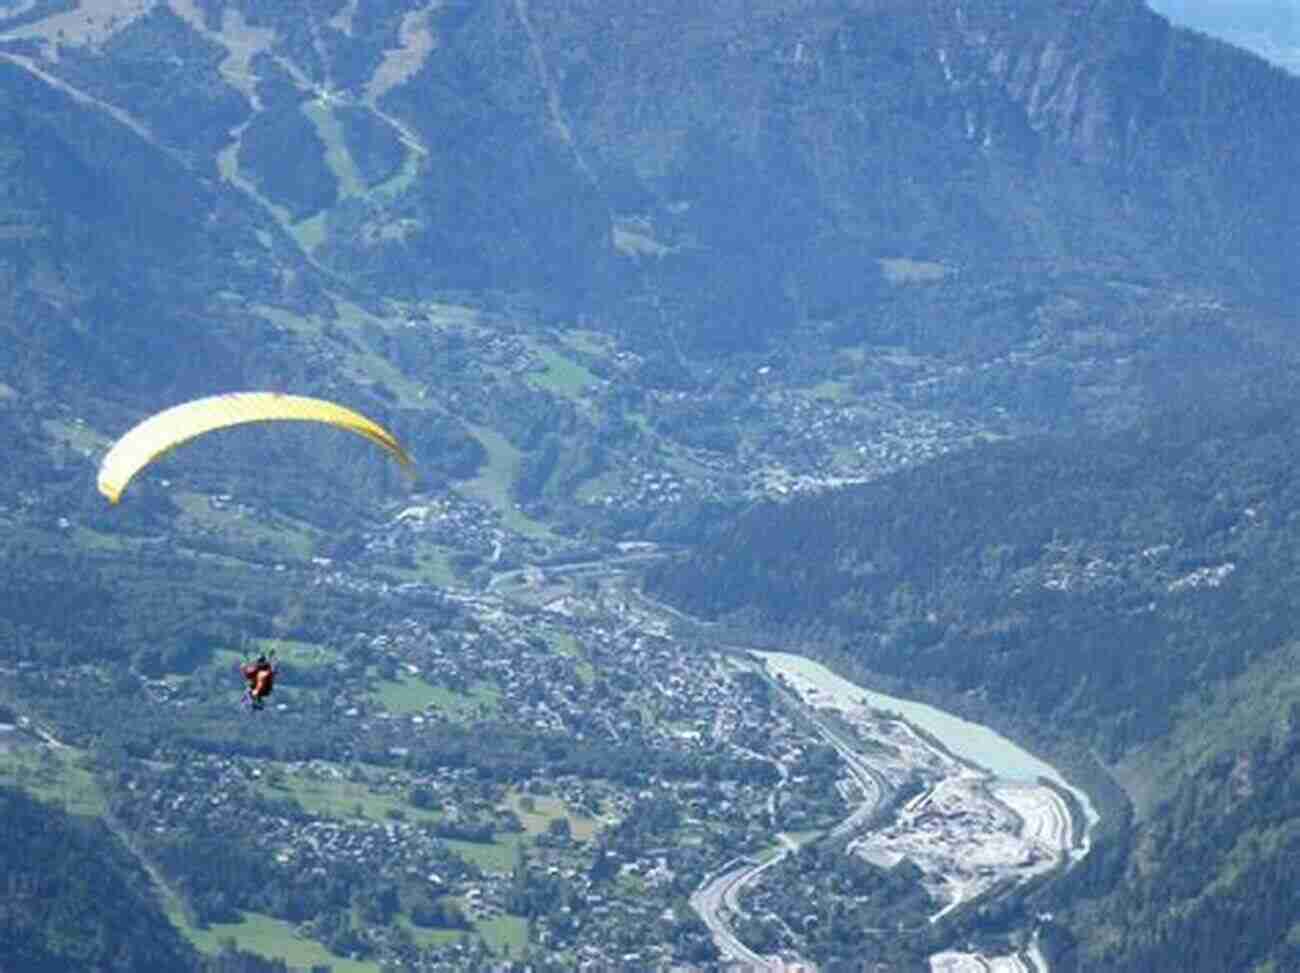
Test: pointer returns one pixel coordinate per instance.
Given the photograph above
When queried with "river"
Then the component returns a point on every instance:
(971, 742)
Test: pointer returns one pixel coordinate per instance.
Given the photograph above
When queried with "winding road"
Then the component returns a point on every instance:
(720, 895)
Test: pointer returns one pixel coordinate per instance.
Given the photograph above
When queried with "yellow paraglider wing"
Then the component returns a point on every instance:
(171, 427)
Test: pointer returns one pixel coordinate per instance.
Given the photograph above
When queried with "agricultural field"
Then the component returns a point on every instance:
(411, 694)
(339, 797)
(273, 939)
(536, 812)
(504, 932)
(54, 774)
(498, 855)
(562, 376)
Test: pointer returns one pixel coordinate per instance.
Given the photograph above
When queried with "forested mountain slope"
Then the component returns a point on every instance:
(1209, 884)
(133, 281)
(76, 900)
(114, 254)
(727, 168)
(1089, 585)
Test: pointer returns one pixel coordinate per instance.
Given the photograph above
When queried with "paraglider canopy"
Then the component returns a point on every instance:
(167, 429)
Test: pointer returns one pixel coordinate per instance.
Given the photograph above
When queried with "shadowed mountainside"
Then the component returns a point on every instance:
(74, 899)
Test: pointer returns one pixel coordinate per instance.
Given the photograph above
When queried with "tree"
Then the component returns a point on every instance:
(559, 831)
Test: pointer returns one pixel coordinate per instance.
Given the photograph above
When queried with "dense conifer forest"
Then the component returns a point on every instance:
(75, 899)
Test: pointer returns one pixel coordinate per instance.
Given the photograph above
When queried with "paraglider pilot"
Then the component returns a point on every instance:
(261, 680)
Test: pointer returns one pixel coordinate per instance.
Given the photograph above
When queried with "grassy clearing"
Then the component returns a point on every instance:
(504, 933)
(311, 232)
(93, 540)
(567, 645)
(768, 853)
(229, 658)
(464, 706)
(831, 389)
(411, 694)
(52, 774)
(492, 485)
(561, 375)
(846, 460)
(359, 363)
(89, 23)
(593, 490)
(368, 366)
(547, 809)
(337, 156)
(901, 270)
(403, 695)
(682, 463)
(451, 315)
(77, 435)
(564, 643)
(228, 163)
(430, 937)
(291, 539)
(435, 568)
(342, 799)
(497, 856)
(634, 244)
(297, 324)
(432, 566)
(803, 837)
(588, 342)
(306, 655)
(273, 939)
(224, 659)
